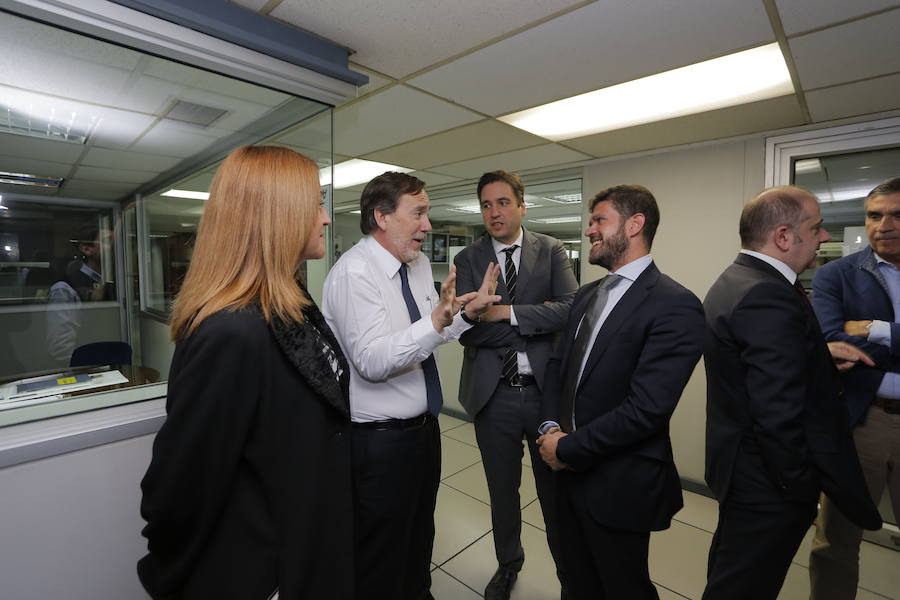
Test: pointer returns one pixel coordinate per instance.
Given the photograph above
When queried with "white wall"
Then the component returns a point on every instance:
(700, 192)
(71, 525)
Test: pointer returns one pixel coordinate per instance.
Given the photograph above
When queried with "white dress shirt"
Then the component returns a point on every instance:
(363, 304)
(521, 357)
(782, 268)
(629, 273)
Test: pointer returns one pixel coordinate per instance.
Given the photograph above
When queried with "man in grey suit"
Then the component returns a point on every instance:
(506, 354)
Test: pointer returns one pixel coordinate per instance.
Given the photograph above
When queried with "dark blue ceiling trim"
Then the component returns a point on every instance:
(246, 28)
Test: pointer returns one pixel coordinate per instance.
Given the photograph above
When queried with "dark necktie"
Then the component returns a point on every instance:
(429, 367)
(511, 360)
(580, 348)
(802, 291)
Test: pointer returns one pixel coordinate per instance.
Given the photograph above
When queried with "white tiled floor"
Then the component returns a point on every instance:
(464, 550)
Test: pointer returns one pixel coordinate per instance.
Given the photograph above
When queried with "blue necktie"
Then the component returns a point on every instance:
(429, 367)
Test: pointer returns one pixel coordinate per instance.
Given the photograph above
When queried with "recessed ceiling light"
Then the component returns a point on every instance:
(355, 171)
(30, 180)
(748, 76)
(807, 166)
(476, 208)
(565, 198)
(186, 194)
(46, 117)
(552, 220)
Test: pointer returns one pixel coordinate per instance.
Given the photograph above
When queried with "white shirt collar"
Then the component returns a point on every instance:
(499, 246)
(785, 270)
(633, 270)
(386, 261)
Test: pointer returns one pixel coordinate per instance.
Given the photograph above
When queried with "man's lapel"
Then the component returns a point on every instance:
(527, 259)
(622, 311)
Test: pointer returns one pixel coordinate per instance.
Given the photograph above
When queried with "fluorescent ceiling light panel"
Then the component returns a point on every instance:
(564, 198)
(355, 171)
(748, 76)
(807, 166)
(186, 194)
(476, 208)
(551, 220)
(30, 180)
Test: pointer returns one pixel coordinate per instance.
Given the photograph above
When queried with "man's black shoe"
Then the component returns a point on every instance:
(500, 585)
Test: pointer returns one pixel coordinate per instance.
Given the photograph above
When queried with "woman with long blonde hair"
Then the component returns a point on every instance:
(248, 494)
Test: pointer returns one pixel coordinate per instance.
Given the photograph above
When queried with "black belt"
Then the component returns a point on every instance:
(518, 380)
(890, 405)
(394, 423)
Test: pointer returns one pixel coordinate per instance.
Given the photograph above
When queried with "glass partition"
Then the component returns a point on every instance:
(106, 156)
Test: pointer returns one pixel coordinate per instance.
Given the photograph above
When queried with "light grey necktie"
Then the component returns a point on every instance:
(580, 348)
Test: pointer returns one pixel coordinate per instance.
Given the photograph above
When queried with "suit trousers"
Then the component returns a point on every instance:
(511, 415)
(396, 473)
(600, 563)
(834, 559)
(758, 534)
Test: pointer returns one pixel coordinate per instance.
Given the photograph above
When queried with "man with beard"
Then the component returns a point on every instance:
(380, 301)
(777, 430)
(630, 346)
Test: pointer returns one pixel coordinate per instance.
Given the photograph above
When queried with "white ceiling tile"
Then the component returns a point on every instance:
(849, 52)
(33, 166)
(433, 179)
(393, 116)
(199, 182)
(475, 139)
(598, 45)
(49, 150)
(172, 139)
(116, 175)
(118, 129)
(235, 88)
(147, 94)
(863, 97)
(803, 15)
(519, 160)
(314, 133)
(399, 37)
(95, 190)
(111, 159)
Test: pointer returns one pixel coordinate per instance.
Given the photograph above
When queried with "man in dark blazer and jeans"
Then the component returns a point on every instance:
(630, 346)
(506, 354)
(777, 430)
(855, 299)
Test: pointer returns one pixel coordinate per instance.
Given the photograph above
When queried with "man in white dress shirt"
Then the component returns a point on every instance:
(380, 301)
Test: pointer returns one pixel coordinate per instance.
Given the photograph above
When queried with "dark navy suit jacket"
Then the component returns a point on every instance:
(640, 362)
(852, 289)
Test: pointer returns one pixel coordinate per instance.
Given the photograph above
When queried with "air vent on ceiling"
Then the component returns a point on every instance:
(32, 180)
(194, 114)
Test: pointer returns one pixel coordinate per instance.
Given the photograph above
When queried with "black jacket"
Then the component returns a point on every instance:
(249, 487)
(774, 402)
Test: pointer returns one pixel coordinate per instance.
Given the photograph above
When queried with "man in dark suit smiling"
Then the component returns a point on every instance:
(630, 346)
(777, 428)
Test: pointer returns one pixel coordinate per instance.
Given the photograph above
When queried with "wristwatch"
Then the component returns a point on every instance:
(467, 318)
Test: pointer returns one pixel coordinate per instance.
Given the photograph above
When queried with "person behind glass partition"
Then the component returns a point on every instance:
(248, 493)
(80, 280)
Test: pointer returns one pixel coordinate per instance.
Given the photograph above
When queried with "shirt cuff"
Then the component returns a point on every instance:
(512, 317)
(545, 426)
(455, 329)
(880, 333)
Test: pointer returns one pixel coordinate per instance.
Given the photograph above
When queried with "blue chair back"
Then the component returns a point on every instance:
(101, 353)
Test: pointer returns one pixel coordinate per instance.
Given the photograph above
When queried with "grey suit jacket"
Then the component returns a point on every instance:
(545, 275)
